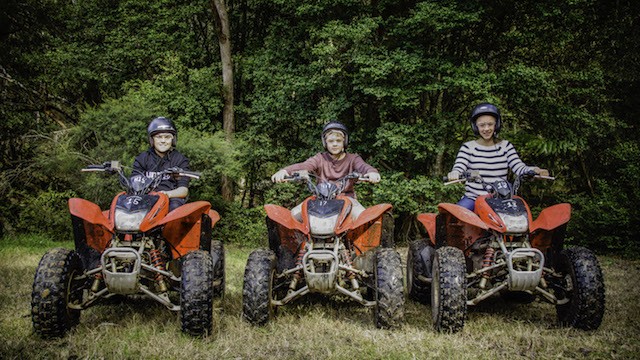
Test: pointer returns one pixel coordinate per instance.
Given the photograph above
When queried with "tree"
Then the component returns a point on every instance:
(221, 19)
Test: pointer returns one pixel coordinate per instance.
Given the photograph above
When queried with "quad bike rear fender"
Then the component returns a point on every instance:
(548, 229)
(457, 226)
(366, 231)
(182, 227)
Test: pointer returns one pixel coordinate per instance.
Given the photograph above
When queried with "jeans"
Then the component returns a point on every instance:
(467, 203)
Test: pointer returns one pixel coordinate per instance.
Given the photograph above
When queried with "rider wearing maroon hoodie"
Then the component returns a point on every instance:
(333, 164)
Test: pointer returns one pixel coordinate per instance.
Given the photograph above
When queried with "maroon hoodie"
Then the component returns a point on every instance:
(328, 169)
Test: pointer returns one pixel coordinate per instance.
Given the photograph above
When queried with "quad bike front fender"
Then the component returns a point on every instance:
(92, 230)
(90, 212)
(182, 227)
(457, 226)
(282, 216)
(463, 214)
(552, 217)
(366, 230)
(548, 230)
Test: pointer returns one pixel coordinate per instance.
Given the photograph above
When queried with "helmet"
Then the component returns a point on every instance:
(485, 109)
(162, 125)
(334, 125)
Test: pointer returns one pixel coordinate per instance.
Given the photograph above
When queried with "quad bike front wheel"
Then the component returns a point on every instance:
(448, 290)
(583, 286)
(258, 287)
(54, 288)
(417, 289)
(389, 309)
(218, 258)
(196, 292)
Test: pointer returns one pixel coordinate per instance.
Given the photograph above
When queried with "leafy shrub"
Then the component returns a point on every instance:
(242, 226)
(47, 213)
(600, 222)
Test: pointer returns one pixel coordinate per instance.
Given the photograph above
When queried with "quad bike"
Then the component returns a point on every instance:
(322, 247)
(498, 249)
(136, 249)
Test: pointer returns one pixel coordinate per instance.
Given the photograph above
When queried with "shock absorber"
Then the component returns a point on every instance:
(156, 260)
(350, 275)
(298, 274)
(487, 260)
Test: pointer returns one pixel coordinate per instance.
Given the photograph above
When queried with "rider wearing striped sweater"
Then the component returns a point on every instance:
(490, 156)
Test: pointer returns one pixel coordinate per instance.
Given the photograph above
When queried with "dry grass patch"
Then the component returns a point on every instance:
(315, 327)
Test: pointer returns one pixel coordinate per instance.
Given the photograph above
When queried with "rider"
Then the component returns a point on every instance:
(490, 156)
(332, 165)
(162, 155)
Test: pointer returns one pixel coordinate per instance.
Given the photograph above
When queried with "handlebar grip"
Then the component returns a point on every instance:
(191, 174)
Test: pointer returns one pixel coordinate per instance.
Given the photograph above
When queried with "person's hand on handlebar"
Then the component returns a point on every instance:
(372, 177)
(279, 176)
(454, 175)
(541, 172)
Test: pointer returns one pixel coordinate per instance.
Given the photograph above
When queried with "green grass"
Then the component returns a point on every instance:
(315, 327)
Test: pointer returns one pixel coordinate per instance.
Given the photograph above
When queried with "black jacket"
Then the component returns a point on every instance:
(149, 162)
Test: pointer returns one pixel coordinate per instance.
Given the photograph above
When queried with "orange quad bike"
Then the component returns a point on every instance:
(136, 249)
(322, 247)
(498, 248)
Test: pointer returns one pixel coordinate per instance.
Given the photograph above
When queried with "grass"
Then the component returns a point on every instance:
(315, 327)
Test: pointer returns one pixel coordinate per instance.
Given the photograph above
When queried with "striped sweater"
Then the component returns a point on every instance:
(493, 163)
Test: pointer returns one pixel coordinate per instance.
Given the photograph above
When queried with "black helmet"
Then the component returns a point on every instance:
(485, 109)
(334, 125)
(162, 125)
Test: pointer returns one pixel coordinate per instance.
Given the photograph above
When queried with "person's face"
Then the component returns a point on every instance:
(486, 126)
(162, 142)
(335, 143)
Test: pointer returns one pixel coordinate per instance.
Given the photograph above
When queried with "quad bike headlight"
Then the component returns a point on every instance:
(515, 224)
(129, 221)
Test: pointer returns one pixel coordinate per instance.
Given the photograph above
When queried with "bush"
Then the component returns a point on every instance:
(242, 226)
(602, 223)
(47, 214)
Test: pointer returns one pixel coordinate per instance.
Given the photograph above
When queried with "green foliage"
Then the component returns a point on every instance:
(47, 214)
(81, 80)
(242, 226)
(408, 195)
(602, 224)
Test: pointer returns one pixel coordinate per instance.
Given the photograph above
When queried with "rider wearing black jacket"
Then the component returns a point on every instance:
(162, 155)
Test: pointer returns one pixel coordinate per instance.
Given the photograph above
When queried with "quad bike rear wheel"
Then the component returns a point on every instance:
(258, 287)
(448, 290)
(218, 258)
(389, 309)
(54, 288)
(583, 286)
(418, 289)
(196, 292)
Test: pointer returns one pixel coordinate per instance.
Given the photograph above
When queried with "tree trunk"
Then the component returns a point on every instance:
(221, 18)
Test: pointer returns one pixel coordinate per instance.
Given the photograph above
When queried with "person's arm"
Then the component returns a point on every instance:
(138, 165)
(461, 163)
(309, 165)
(518, 166)
(369, 171)
(180, 192)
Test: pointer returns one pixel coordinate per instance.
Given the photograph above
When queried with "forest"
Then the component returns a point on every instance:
(80, 81)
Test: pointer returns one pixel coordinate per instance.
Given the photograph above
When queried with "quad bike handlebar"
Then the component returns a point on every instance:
(474, 176)
(325, 190)
(139, 183)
